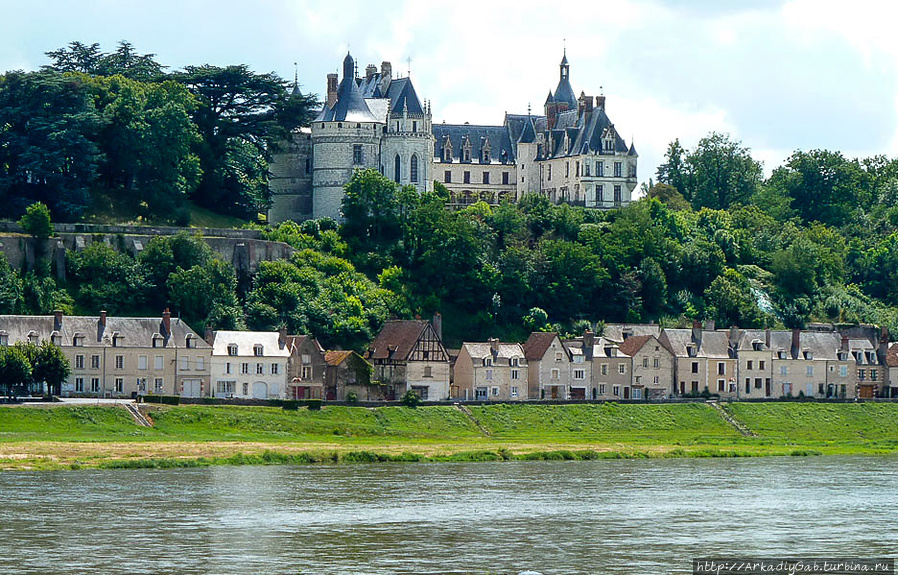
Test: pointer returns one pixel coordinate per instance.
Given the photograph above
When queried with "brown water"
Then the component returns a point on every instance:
(631, 517)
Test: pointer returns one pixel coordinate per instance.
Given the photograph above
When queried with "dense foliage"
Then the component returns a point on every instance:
(117, 135)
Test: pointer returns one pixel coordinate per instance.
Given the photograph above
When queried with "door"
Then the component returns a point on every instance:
(554, 392)
(191, 388)
(260, 390)
(578, 393)
(626, 393)
(787, 389)
(767, 388)
(480, 394)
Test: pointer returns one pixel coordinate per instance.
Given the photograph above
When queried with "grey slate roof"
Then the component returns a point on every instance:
(483, 350)
(134, 331)
(402, 93)
(564, 93)
(456, 133)
(616, 331)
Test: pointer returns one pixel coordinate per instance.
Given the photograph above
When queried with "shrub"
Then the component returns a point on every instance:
(163, 399)
(352, 398)
(290, 404)
(411, 399)
(313, 404)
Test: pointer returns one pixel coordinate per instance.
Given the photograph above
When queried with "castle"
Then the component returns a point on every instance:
(572, 154)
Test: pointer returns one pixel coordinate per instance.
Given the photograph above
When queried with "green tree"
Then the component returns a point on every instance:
(36, 221)
(15, 370)
(720, 173)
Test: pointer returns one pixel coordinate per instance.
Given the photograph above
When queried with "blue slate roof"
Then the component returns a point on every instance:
(456, 134)
(402, 93)
(350, 105)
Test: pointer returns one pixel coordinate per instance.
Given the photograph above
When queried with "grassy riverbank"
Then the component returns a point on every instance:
(100, 436)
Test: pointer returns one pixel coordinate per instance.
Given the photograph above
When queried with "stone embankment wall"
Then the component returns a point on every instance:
(245, 249)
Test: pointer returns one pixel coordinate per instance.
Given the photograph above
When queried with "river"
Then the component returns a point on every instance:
(633, 517)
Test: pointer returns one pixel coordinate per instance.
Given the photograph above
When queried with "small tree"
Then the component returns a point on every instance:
(36, 221)
(411, 399)
(50, 365)
(15, 370)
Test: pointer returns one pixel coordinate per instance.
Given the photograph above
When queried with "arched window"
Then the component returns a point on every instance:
(414, 168)
(397, 164)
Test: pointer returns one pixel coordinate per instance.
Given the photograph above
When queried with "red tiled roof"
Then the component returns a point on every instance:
(396, 339)
(633, 344)
(336, 357)
(536, 345)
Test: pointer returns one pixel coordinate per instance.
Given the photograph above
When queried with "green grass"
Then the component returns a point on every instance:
(203, 218)
(691, 422)
(201, 435)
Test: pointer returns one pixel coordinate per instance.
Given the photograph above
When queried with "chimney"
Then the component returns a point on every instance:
(494, 345)
(370, 71)
(709, 325)
(844, 343)
(282, 336)
(589, 339)
(796, 341)
(696, 331)
(166, 322)
(331, 90)
(767, 337)
(600, 103)
(551, 111)
(209, 335)
(102, 321)
(386, 70)
(437, 318)
(883, 348)
(584, 104)
(57, 320)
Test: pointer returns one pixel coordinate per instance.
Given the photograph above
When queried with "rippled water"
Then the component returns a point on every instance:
(629, 517)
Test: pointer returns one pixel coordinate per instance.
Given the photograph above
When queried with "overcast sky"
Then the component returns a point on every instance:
(777, 75)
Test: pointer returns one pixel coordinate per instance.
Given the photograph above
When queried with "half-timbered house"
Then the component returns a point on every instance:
(408, 355)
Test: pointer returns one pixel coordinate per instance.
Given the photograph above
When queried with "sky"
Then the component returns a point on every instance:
(777, 75)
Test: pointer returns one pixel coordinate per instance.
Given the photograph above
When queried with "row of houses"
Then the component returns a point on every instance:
(127, 357)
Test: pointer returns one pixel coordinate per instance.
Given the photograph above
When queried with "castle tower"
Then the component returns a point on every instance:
(345, 137)
(407, 146)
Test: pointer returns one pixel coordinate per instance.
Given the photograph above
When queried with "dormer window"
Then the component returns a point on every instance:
(756, 346)
(117, 339)
(258, 350)
(78, 340)
(808, 355)
(158, 341)
(55, 338)
(781, 354)
(690, 350)
(4, 338)
(32, 337)
(447, 152)
(487, 362)
(190, 342)
(232, 349)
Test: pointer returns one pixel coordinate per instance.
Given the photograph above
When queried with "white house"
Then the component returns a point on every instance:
(249, 364)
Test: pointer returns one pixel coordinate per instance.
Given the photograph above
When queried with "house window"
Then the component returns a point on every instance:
(141, 362)
(308, 166)
(645, 362)
(656, 363)
(762, 364)
(604, 369)
(862, 374)
(618, 169)
(721, 385)
(579, 374)
(567, 169)
(486, 177)
(94, 385)
(515, 374)
(549, 172)
(447, 177)
(119, 384)
(505, 178)
(232, 350)
(601, 389)
(843, 370)
(617, 194)
(274, 369)
(201, 363)
(757, 383)
(224, 387)
(185, 363)
(600, 193)
(258, 350)
(260, 369)
(244, 368)
(655, 380)
(245, 388)
(872, 375)
(487, 361)
(79, 384)
(495, 392)
(4, 339)
(489, 375)
(397, 164)
(486, 156)
(306, 358)
(413, 164)
(622, 368)
(556, 374)
(721, 368)
(306, 372)
(810, 371)
(228, 367)
(558, 356)
(749, 364)
(157, 362)
(515, 361)
(421, 391)
(95, 362)
(78, 340)
(694, 367)
(428, 371)
(447, 154)
(514, 390)
(79, 362)
(784, 370)
(615, 390)
(157, 341)
(357, 154)
(467, 177)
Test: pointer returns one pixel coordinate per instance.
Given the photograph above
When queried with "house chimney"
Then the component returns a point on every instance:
(696, 331)
(600, 103)
(102, 321)
(796, 342)
(589, 339)
(166, 322)
(57, 320)
(386, 69)
(883, 348)
(282, 336)
(370, 71)
(709, 325)
(209, 335)
(494, 345)
(331, 90)
(437, 318)
(767, 338)
(844, 343)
